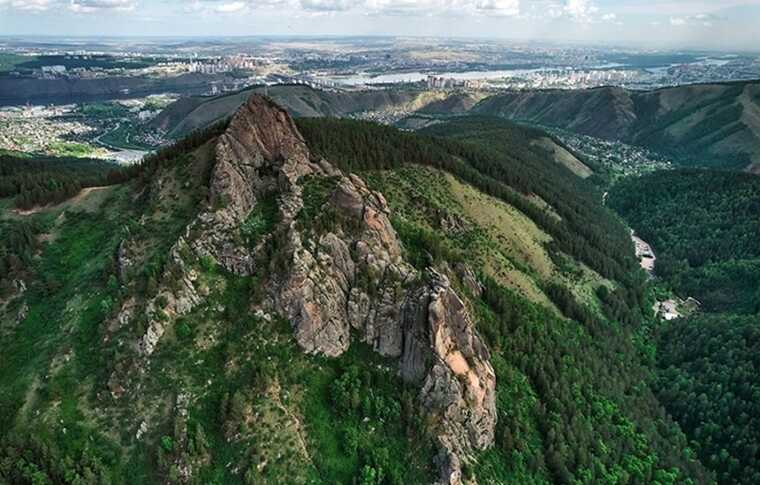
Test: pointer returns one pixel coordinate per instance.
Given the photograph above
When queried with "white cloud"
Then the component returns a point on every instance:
(90, 6)
(491, 8)
(577, 10)
(700, 19)
(402, 7)
(231, 7)
(504, 8)
(28, 5)
(580, 10)
(706, 19)
(209, 7)
(195, 6)
(328, 5)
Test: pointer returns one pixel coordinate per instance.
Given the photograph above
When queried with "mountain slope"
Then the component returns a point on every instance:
(437, 223)
(188, 114)
(243, 311)
(703, 226)
(714, 125)
(710, 124)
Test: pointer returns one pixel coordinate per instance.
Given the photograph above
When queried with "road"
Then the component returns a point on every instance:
(121, 155)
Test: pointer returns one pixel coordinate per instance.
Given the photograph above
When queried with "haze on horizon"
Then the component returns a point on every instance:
(708, 24)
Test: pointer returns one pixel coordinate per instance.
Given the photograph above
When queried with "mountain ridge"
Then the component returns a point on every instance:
(262, 153)
(711, 124)
(243, 310)
(701, 124)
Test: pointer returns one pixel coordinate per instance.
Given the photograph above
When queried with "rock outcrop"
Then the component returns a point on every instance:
(352, 276)
(177, 297)
(341, 274)
(460, 385)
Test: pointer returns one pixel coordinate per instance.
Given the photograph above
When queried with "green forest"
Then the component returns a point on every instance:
(590, 388)
(704, 226)
(37, 181)
(496, 157)
(572, 404)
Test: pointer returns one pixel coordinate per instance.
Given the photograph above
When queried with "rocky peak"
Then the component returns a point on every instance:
(341, 275)
(261, 138)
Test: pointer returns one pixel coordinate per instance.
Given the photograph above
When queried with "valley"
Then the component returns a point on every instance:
(115, 130)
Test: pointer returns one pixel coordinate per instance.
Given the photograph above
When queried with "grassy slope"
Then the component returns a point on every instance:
(51, 361)
(8, 62)
(492, 234)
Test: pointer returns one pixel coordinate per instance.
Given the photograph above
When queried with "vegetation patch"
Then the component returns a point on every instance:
(316, 192)
(261, 221)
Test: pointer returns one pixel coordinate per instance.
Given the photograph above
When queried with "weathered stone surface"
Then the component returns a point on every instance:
(460, 386)
(19, 286)
(326, 291)
(177, 296)
(469, 279)
(350, 277)
(22, 312)
(124, 260)
(260, 151)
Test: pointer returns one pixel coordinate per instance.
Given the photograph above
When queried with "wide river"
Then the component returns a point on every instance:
(416, 76)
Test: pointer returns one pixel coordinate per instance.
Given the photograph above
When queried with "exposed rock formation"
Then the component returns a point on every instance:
(124, 260)
(261, 151)
(177, 297)
(460, 386)
(353, 277)
(346, 275)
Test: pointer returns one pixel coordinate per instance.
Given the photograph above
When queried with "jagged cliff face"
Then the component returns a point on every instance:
(339, 275)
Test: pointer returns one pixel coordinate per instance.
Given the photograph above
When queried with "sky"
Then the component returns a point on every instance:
(707, 24)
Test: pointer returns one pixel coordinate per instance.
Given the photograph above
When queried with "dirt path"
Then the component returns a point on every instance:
(72, 201)
(274, 394)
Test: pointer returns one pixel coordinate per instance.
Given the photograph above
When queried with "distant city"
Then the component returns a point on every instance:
(361, 63)
(97, 97)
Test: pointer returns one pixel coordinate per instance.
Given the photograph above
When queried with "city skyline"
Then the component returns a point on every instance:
(724, 25)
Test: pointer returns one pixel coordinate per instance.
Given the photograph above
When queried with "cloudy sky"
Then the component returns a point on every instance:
(717, 24)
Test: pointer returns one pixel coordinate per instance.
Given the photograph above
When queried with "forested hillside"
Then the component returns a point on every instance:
(241, 312)
(713, 125)
(498, 158)
(36, 181)
(193, 113)
(528, 338)
(705, 227)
